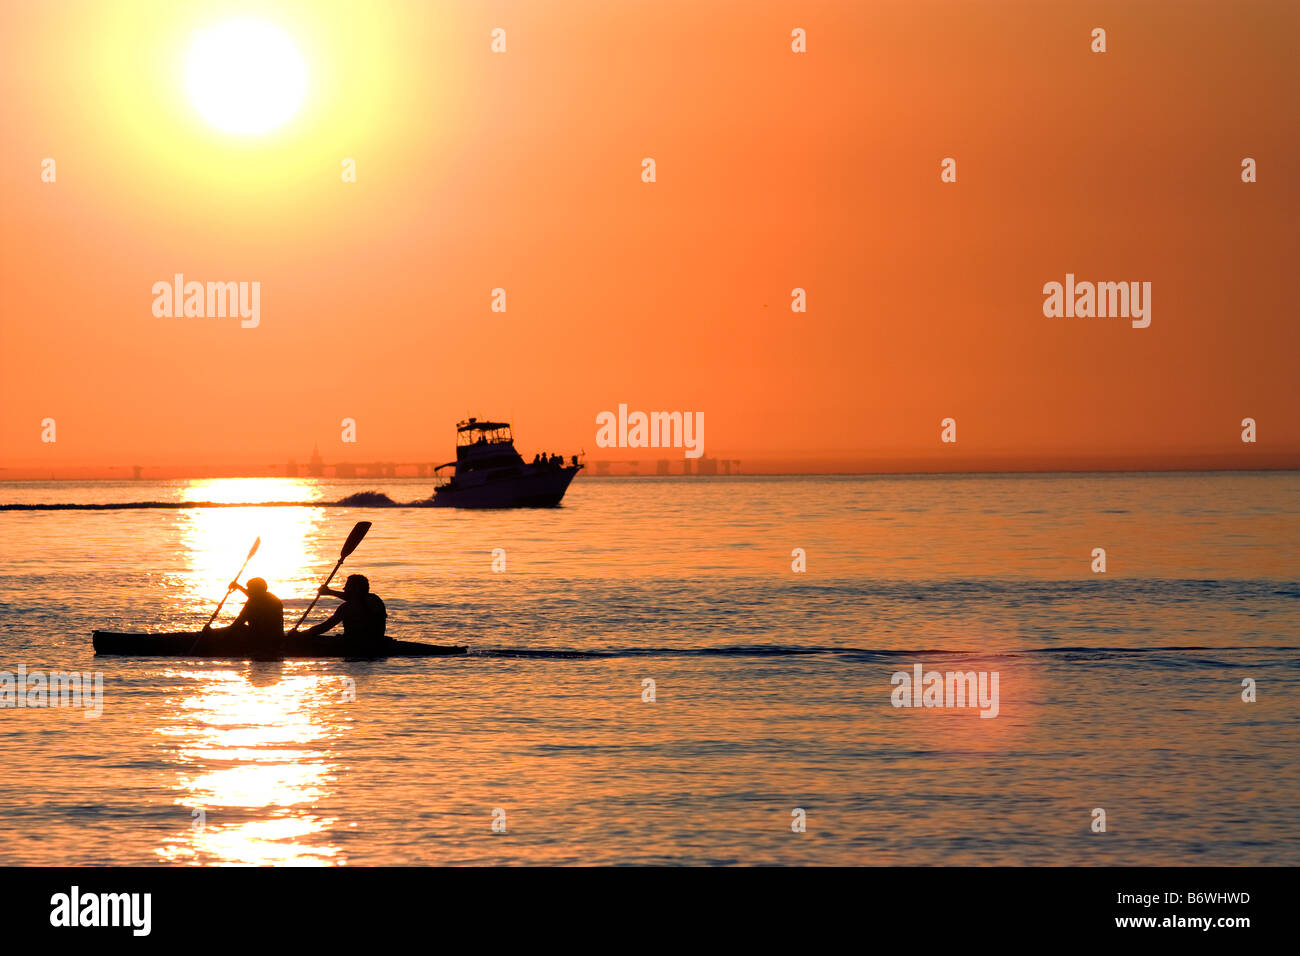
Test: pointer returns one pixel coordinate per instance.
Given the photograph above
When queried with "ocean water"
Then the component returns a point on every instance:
(1119, 690)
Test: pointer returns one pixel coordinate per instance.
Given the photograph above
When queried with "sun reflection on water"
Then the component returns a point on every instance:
(254, 748)
(216, 540)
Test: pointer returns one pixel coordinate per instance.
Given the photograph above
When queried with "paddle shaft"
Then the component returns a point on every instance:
(317, 597)
(228, 590)
(257, 543)
(359, 531)
(337, 566)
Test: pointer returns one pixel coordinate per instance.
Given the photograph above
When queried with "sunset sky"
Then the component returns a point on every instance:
(775, 170)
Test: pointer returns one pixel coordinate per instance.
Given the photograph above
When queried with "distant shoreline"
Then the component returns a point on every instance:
(1147, 469)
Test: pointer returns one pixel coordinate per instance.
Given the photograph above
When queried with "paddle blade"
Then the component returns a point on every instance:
(257, 543)
(354, 539)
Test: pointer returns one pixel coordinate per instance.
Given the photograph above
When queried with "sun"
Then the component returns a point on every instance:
(245, 76)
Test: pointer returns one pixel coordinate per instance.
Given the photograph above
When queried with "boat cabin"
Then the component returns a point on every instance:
(475, 432)
(483, 445)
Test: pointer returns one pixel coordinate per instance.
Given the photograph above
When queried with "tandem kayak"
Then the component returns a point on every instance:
(217, 644)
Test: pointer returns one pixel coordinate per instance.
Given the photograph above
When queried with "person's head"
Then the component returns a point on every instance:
(357, 585)
(256, 586)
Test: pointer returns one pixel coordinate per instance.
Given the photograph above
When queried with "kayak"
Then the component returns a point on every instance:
(218, 644)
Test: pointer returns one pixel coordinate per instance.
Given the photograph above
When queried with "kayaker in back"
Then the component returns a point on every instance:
(362, 614)
(262, 618)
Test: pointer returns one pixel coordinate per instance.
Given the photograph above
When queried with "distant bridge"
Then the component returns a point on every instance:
(604, 466)
(360, 469)
(703, 465)
(425, 469)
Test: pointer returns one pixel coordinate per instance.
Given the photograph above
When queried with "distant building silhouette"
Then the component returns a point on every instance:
(316, 464)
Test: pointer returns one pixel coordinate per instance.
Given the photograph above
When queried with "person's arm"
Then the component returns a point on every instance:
(234, 585)
(323, 591)
(325, 625)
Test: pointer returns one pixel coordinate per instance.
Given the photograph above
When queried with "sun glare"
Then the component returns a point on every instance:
(245, 76)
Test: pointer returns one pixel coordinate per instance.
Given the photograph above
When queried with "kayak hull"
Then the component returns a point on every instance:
(215, 644)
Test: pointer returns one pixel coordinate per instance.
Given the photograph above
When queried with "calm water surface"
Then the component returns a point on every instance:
(1118, 690)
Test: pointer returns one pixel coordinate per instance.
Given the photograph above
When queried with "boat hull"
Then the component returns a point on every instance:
(216, 644)
(533, 487)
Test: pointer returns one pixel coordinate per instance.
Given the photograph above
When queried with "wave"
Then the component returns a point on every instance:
(362, 499)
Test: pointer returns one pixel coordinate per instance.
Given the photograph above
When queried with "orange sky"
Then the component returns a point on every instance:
(776, 170)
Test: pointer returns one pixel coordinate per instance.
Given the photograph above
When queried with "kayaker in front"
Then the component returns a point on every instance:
(260, 622)
(362, 614)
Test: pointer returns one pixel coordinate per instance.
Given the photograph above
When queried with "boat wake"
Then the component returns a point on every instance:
(362, 499)
(858, 653)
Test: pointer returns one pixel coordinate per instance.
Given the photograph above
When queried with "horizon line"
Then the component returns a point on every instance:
(33, 475)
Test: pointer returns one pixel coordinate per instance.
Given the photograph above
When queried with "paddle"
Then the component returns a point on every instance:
(349, 546)
(257, 543)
